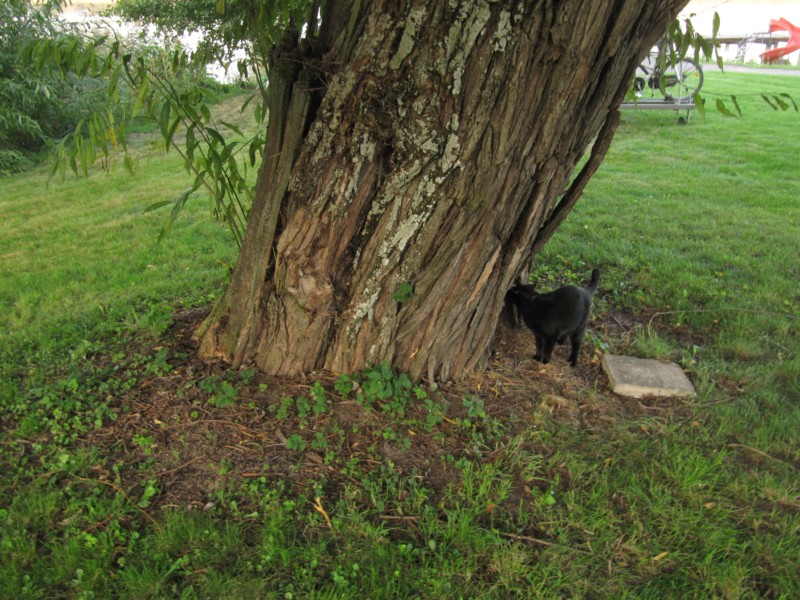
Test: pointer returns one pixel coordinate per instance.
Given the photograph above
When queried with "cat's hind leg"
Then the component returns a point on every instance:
(576, 339)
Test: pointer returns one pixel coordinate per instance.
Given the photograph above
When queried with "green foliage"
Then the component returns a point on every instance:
(405, 291)
(475, 407)
(295, 442)
(303, 408)
(13, 161)
(219, 165)
(681, 40)
(435, 413)
(282, 410)
(225, 26)
(782, 101)
(344, 384)
(159, 85)
(145, 442)
(381, 386)
(23, 96)
(222, 393)
(38, 105)
(320, 399)
(20, 94)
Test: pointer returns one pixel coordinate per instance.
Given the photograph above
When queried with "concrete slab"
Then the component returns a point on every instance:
(638, 377)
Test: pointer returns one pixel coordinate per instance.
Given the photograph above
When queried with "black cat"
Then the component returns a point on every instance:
(556, 316)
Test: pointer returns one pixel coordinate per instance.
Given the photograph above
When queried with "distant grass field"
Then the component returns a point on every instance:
(80, 263)
(697, 230)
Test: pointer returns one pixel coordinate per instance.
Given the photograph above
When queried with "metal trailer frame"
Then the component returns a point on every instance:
(677, 104)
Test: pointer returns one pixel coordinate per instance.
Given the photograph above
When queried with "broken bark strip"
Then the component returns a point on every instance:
(230, 325)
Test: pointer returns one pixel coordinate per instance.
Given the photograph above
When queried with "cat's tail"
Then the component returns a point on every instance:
(592, 288)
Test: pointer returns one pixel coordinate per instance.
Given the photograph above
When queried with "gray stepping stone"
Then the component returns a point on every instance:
(638, 377)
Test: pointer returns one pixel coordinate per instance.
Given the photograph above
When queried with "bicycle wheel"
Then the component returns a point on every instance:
(681, 81)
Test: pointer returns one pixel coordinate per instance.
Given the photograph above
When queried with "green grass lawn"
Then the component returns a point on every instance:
(81, 263)
(697, 230)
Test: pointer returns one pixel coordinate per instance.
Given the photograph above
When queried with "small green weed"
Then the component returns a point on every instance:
(380, 386)
(282, 411)
(148, 493)
(159, 366)
(145, 442)
(435, 413)
(405, 292)
(475, 409)
(295, 442)
(320, 399)
(222, 394)
(301, 406)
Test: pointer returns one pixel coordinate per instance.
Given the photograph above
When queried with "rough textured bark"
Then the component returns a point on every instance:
(421, 143)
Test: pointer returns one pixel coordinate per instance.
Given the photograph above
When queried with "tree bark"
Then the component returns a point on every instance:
(417, 155)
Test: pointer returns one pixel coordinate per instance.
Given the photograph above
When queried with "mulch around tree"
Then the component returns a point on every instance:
(168, 431)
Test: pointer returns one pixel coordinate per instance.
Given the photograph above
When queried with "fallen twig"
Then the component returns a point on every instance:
(540, 542)
(762, 453)
(183, 466)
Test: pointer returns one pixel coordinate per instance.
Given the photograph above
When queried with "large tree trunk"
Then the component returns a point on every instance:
(423, 146)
